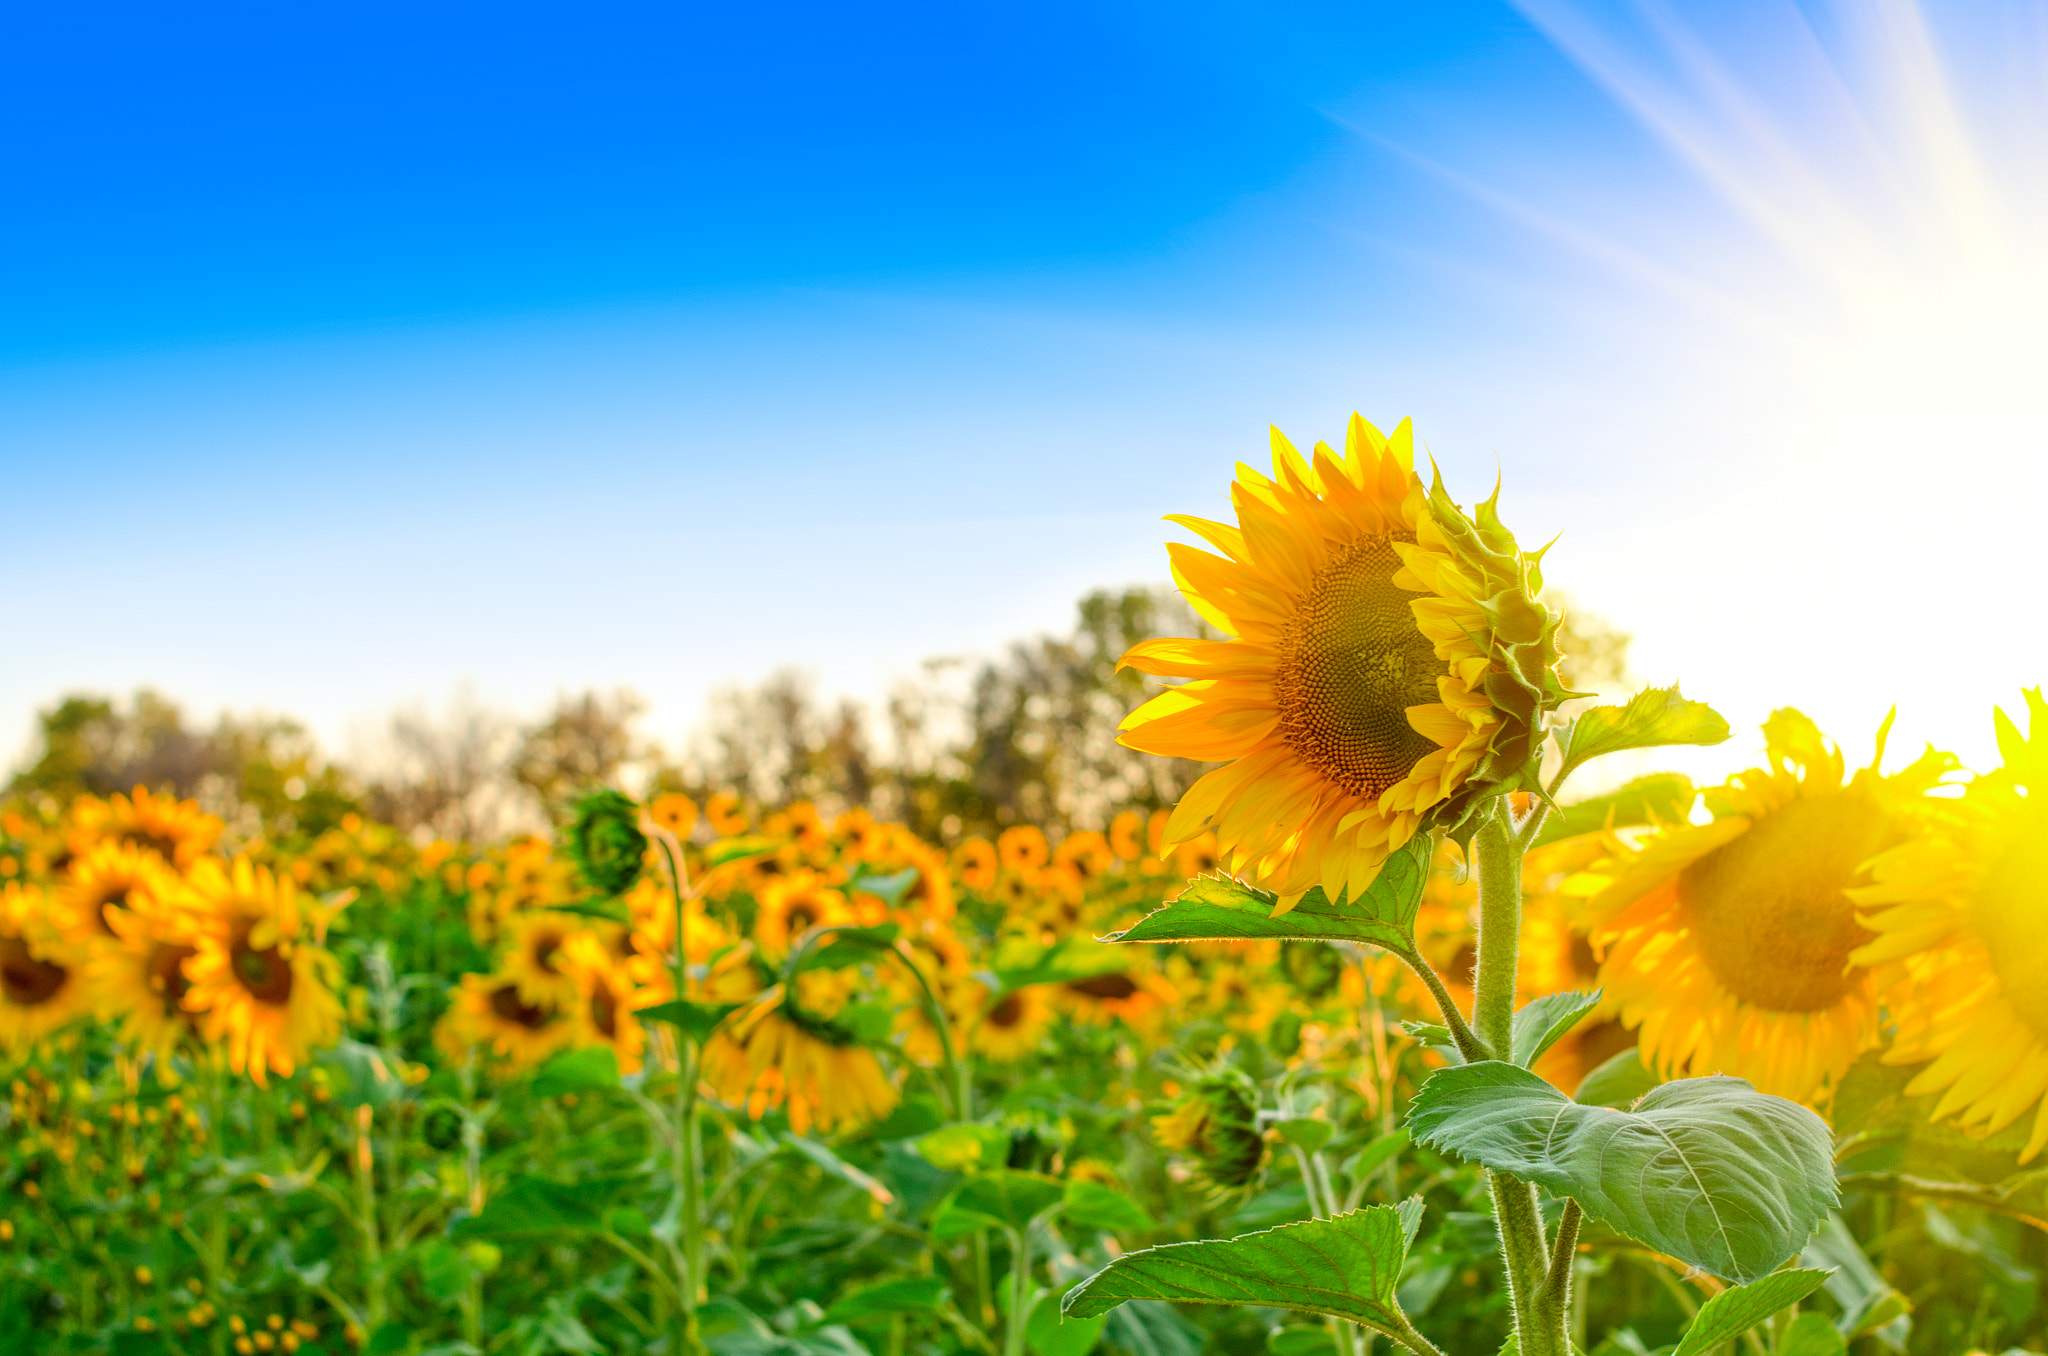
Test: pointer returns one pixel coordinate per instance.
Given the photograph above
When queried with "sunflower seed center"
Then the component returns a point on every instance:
(1768, 910)
(28, 980)
(1352, 662)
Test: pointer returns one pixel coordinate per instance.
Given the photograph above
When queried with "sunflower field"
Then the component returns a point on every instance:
(1379, 1039)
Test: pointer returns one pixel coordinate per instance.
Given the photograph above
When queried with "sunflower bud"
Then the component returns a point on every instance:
(1215, 1122)
(606, 842)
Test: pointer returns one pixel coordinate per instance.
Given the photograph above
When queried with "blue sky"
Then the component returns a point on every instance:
(351, 355)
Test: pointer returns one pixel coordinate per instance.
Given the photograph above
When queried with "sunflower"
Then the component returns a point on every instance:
(1729, 944)
(1391, 663)
(675, 812)
(140, 977)
(1215, 1123)
(726, 816)
(41, 984)
(975, 862)
(1022, 848)
(1012, 1026)
(261, 977)
(1123, 836)
(606, 999)
(176, 830)
(1965, 914)
(106, 879)
(487, 1011)
(535, 959)
(793, 906)
(1130, 995)
(774, 1054)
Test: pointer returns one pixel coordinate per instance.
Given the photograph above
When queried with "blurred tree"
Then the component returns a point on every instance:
(587, 742)
(447, 777)
(261, 776)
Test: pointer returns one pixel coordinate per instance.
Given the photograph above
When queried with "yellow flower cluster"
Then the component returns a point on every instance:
(127, 915)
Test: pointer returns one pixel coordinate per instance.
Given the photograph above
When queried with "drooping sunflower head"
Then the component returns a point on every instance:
(1390, 664)
(1960, 917)
(772, 1054)
(260, 978)
(1732, 944)
(605, 841)
(41, 982)
(1215, 1122)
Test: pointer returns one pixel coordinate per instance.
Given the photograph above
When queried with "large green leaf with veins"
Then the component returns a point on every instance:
(1708, 1170)
(1216, 908)
(1347, 1267)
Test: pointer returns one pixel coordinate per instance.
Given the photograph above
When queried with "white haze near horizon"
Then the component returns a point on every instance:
(1766, 361)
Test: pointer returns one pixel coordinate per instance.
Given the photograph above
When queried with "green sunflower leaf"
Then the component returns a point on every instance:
(995, 1200)
(1348, 1267)
(1661, 797)
(1653, 718)
(1708, 1170)
(1216, 908)
(695, 1020)
(738, 849)
(1736, 1310)
(1617, 1082)
(909, 1295)
(1547, 1021)
(1095, 1206)
(594, 1068)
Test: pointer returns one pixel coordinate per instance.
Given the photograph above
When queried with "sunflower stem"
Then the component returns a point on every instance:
(1497, 852)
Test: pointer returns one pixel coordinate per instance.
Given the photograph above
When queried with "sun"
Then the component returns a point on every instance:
(1731, 944)
(1962, 916)
(1390, 659)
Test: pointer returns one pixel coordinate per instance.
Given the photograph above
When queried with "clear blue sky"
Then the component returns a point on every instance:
(349, 354)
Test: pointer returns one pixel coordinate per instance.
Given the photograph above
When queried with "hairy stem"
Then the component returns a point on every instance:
(1497, 852)
(1461, 1033)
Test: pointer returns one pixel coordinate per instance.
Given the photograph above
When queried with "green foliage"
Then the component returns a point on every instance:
(1346, 1267)
(1660, 798)
(1706, 1169)
(1739, 1308)
(1654, 718)
(591, 1069)
(1546, 1021)
(1617, 1081)
(1215, 908)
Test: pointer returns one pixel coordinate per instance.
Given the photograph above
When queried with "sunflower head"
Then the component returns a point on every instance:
(1389, 668)
(1959, 920)
(1215, 1122)
(606, 843)
(1733, 945)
